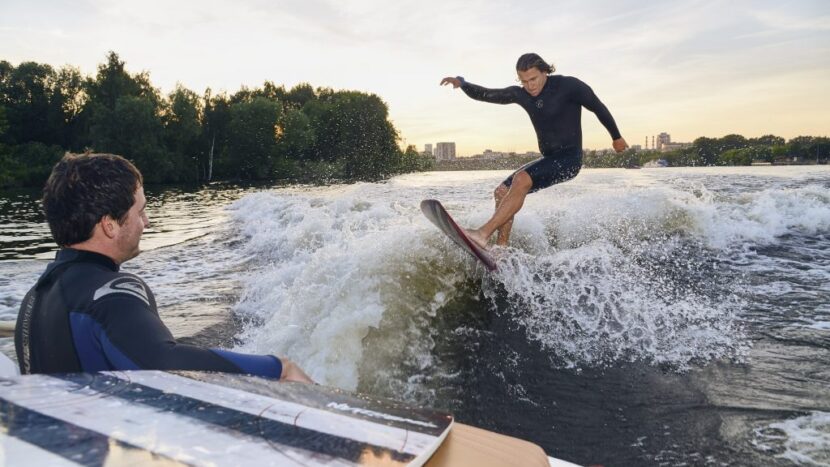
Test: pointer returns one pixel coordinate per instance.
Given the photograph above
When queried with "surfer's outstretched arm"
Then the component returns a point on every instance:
(494, 96)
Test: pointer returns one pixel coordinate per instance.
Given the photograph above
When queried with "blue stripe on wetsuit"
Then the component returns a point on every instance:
(266, 365)
(95, 351)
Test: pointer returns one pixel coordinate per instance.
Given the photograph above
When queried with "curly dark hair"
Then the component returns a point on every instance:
(82, 189)
(531, 60)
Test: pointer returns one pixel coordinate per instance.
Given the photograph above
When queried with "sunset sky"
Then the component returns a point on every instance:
(689, 68)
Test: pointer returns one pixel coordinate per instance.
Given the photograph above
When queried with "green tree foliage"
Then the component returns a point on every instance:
(412, 161)
(182, 133)
(299, 96)
(41, 104)
(134, 129)
(6, 178)
(124, 115)
(743, 156)
(267, 132)
(252, 139)
(216, 119)
(297, 136)
(728, 150)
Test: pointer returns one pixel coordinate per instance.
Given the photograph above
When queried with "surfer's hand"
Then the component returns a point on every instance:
(291, 372)
(456, 83)
(620, 145)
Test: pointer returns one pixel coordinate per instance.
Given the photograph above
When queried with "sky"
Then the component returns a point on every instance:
(686, 67)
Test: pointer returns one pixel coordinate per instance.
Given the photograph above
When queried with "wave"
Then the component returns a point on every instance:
(348, 280)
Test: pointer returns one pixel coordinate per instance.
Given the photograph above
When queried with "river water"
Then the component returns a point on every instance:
(639, 317)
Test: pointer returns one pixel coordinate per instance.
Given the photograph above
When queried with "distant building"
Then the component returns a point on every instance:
(664, 143)
(489, 154)
(428, 149)
(444, 151)
(674, 146)
(662, 139)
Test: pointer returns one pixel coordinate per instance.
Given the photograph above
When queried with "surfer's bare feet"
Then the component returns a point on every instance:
(477, 237)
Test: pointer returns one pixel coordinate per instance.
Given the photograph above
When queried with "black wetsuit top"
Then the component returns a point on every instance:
(83, 315)
(556, 113)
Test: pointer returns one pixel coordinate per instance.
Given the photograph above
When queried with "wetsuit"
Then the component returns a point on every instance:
(83, 315)
(556, 114)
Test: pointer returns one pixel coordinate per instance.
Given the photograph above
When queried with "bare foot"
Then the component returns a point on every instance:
(477, 237)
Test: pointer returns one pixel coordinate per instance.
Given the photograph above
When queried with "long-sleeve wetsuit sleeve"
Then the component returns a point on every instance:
(586, 97)
(493, 96)
(131, 336)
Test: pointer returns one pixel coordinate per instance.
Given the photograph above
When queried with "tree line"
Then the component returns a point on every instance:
(264, 133)
(729, 150)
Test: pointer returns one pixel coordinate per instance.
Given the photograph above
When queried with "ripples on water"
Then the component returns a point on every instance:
(639, 317)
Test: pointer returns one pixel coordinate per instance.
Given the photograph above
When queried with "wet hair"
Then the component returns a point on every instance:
(82, 189)
(531, 60)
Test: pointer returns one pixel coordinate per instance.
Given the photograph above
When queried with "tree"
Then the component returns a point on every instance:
(252, 138)
(353, 129)
(272, 91)
(731, 142)
(412, 161)
(182, 129)
(299, 96)
(27, 92)
(297, 136)
(137, 133)
(706, 151)
(215, 123)
(4, 124)
(68, 101)
(125, 118)
(113, 82)
(767, 140)
(742, 156)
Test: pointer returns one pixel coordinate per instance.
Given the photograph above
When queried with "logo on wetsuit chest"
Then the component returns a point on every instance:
(539, 103)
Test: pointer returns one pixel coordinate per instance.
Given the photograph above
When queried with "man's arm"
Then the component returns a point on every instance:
(132, 336)
(589, 100)
(493, 96)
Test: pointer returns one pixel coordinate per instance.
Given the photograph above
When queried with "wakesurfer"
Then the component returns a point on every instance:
(554, 104)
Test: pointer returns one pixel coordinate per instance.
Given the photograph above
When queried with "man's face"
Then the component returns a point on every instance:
(532, 80)
(129, 233)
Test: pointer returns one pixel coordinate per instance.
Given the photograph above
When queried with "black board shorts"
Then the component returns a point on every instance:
(550, 170)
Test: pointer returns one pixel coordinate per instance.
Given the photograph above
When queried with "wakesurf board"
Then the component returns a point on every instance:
(439, 216)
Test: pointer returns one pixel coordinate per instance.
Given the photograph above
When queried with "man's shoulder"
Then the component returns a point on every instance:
(122, 285)
(569, 80)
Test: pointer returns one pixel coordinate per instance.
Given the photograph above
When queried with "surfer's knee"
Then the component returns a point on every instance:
(500, 191)
(522, 182)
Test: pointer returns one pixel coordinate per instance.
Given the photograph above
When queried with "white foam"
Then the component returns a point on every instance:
(590, 306)
(803, 440)
(331, 267)
(344, 276)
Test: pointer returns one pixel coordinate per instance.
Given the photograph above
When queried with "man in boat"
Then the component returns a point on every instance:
(83, 314)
